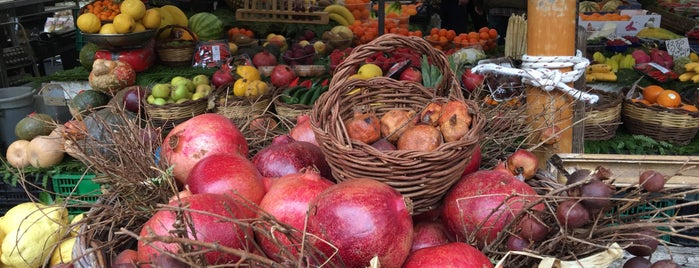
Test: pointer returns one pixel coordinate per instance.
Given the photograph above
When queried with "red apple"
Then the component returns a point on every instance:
(411, 74)
(229, 174)
(264, 58)
(471, 80)
(126, 259)
(282, 75)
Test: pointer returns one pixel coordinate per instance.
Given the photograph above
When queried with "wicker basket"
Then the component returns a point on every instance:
(240, 109)
(180, 55)
(675, 126)
(603, 119)
(169, 115)
(289, 112)
(422, 176)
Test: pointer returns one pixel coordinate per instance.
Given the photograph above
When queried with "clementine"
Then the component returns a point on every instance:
(650, 93)
(669, 98)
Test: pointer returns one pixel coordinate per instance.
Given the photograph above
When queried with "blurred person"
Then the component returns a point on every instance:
(462, 16)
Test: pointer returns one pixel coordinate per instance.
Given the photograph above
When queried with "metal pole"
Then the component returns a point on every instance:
(380, 13)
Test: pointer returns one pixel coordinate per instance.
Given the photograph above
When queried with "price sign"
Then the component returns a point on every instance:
(678, 47)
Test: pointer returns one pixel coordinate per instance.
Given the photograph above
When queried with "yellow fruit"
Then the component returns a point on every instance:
(151, 19)
(134, 8)
(34, 230)
(240, 87)
(89, 23)
(108, 29)
(124, 23)
(248, 72)
(138, 27)
(693, 57)
(62, 253)
(165, 20)
(177, 15)
(370, 70)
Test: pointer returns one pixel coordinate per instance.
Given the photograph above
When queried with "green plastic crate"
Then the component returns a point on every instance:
(79, 190)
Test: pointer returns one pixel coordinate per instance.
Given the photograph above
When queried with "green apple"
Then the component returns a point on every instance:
(176, 80)
(169, 100)
(159, 101)
(181, 100)
(161, 91)
(204, 89)
(197, 95)
(201, 79)
(179, 92)
(150, 99)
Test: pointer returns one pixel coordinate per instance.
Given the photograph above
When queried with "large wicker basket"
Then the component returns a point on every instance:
(603, 119)
(422, 176)
(169, 115)
(675, 126)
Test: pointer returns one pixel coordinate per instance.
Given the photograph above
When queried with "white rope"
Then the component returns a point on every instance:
(536, 71)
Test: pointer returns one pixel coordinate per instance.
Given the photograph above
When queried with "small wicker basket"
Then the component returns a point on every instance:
(603, 119)
(169, 115)
(289, 112)
(675, 126)
(179, 55)
(422, 176)
(240, 109)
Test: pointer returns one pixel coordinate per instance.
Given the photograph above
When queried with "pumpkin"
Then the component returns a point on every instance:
(87, 101)
(87, 55)
(110, 76)
(206, 26)
(588, 7)
(33, 125)
(45, 151)
(99, 127)
(17, 154)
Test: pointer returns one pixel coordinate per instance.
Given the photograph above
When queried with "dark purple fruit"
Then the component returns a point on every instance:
(383, 145)
(665, 264)
(133, 99)
(533, 229)
(643, 243)
(637, 262)
(516, 243)
(572, 214)
(595, 194)
(652, 181)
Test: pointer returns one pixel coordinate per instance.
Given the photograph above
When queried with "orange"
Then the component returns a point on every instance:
(483, 30)
(689, 108)
(473, 35)
(484, 35)
(650, 93)
(493, 33)
(643, 101)
(669, 98)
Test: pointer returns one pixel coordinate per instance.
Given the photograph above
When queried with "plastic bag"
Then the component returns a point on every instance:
(210, 54)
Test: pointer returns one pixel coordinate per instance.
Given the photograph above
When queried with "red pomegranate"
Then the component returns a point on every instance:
(363, 218)
(474, 163)
(207, 227)
(229, 174)
(479, 205)
(287, 200)
(429, 234)
(287, 156)
(454, 254)
(198, 137)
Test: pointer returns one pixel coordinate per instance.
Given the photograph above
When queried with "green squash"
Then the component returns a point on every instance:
(87, 101)
(87, 55)
(33, 125)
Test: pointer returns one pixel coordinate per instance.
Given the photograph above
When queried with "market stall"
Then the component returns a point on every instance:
(315, 133)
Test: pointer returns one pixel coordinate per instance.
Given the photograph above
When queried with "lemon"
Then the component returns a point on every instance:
(151, 20)
(123, 23)
(138, 27)
(108, 29)
(248, 72)
(89, 23)
(370, 70)
(134, 8)
(63, 253)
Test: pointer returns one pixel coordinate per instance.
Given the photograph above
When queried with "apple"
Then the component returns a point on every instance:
(319, 47)
(159, 101)
(201, 79)
(304, 43)
(203, 89)
(308, 35)
(161, 91)
(179, 92)
(150, 99)
(282, 75)
(186, 82)
(177, 79)
(411, 74)
(471, 80)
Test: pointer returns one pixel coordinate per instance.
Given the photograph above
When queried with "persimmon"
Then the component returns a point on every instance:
(669, 98)
(689, 108)
(650, 93)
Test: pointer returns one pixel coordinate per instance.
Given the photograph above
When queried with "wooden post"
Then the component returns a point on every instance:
(551, 31)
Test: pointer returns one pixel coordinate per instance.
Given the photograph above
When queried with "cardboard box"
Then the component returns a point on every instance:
(639, 20)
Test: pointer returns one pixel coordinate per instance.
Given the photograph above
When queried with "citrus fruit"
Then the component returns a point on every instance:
(124, 23)
(134, 8)
(89, 23)
(138, 27)
(151, 19)
(669, 98)
(650, 93)
(108, 29)
(689, 108)
(370, 70)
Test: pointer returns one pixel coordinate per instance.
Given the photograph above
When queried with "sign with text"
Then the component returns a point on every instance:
(678, 47)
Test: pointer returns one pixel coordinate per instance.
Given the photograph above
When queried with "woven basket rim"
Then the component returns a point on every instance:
(189, 43)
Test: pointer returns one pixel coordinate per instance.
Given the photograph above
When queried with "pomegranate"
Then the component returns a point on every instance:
(431, 113)
(302, 131)
(286, 156)
(126, 258)
(364, 127)
(395, 122)
(229, 174)
(429, 234)
(550, 135)
(264, 58)
(383, 145)
(282, 75)
(455, 122)
(471, 81)
(454, 254)
(287, 200)
(532, 228)
(420, 137)
(474, 163)
(523, 162)
(363, 218)
(501, 166)
(206, 227)
(481, 204)
(572, 214)
(198, 137)
(652, 181)
(222, 76)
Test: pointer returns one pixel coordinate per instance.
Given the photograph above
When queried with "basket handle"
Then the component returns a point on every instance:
(389, 42)
(172, 36)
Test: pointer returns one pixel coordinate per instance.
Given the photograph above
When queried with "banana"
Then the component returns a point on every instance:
(342, 11)
(599, 68)
(695, 78)
(686, 76)
(603, 77)
(599, 57)
(690, 66)
(338, 18)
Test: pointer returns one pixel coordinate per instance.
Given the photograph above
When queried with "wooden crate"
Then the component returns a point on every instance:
(287, 11)
(682, 170)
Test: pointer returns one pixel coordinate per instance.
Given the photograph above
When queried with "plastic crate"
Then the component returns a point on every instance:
(79, 191)
(688, 211)
(11, 196)
(651, 209)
